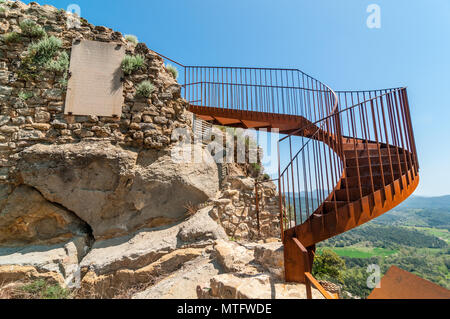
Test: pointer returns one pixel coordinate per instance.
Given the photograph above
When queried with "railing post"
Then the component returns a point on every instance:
(257, 208)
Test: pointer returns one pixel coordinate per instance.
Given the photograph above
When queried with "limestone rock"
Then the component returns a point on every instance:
(183, 283)
(117, 191)
(119, 263)
(27, 218)
(59, 262)
(146, 246)
(233, 257)
(271, 257)
(232, 286)
(201, 226)
(114, 283)
(13, 274)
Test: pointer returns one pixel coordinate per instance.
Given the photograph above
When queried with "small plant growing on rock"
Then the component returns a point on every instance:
(11, 37)
(44, 51)
(145, 89)
(40, 289)
(132, 63)
(191, 209)
(132, 38)
(44, 55)
(61, 64)
(32, 29)
(172, 70)
(25, 95)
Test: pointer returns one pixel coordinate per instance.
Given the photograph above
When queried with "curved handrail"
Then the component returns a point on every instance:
(367, 128)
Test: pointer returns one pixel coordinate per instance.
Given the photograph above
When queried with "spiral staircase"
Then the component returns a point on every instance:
(344, 158)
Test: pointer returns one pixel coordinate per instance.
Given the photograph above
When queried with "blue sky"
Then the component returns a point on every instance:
(328, 39)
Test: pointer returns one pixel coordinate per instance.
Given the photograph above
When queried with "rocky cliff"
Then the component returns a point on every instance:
(98, 204)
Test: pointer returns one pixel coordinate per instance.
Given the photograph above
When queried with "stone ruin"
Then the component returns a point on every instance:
(74, 182)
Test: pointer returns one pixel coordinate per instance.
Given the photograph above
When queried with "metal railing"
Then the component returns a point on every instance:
(267, 90)
(310, 280)
(377, 122)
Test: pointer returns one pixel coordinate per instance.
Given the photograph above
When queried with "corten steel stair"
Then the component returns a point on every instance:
(345, 158)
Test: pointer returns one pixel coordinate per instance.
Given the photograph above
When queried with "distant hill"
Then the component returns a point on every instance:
(426, 202)
(420, 211)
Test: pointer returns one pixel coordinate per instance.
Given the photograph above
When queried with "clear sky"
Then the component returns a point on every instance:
(328, 39)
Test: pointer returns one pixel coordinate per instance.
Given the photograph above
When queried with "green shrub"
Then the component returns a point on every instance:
(11, 37)
(32, 29)
(42, 52)
(35, 287)
(2, 10)
(145, 89)
(40, 289)
(61, 64)
(132, 63)
(328, 265)
(172, 70)
(256, 167)
(132, 38)
(55, 292)
(64, 81)
(25, 95)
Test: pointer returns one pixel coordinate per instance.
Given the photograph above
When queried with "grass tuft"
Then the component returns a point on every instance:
(61, 64)
(42, 52)
(132, 63)
(132, 38)
(11, 37)
(40, 289)
(25, 95)
(172, 70)
(145, 89)
(32, 29)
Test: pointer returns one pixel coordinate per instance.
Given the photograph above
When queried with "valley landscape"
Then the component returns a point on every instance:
(414, 236)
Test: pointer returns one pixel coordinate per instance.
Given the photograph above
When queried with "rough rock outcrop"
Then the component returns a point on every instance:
(117, 191)
(234, 257)
(119, 263)
(58, 262)
(182, 284)
(28, 218)
(271, 257)
(233, 286)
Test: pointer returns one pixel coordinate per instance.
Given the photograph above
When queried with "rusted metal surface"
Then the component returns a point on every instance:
(400, 284)
(319, 287)
(95, 86)
(351, 154)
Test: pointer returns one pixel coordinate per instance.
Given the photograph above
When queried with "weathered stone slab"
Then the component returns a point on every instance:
(95, 86)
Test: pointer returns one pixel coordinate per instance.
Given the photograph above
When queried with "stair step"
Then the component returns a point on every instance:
(331, 205)
(353, 193)
(375, 159)
(364, 170)
(372, 152)
(352, 181)
(359, 146)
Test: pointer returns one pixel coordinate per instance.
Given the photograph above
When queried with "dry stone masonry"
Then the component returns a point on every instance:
(32, 108)
(98, 202)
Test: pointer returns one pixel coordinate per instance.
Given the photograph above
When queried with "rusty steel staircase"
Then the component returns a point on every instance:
(345, 157)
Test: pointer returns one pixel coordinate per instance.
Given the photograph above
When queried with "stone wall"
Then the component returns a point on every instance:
(235, 208)
(32, 109)
(114, 174)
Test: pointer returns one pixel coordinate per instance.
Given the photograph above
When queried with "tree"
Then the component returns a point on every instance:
(328, 265)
